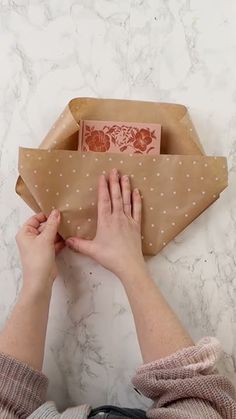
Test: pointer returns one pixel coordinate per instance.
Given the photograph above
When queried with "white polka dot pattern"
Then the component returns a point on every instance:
(174, 189)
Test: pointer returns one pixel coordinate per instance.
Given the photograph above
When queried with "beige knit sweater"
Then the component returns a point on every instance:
(183, 385)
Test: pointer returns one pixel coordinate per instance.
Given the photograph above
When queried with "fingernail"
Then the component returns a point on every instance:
(115, 172)
(55, 213)
(125, 177)
(136, 190)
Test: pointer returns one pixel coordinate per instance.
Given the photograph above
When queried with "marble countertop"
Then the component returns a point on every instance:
(175, 51)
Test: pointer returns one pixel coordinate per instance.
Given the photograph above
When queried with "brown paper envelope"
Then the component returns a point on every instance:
(178, 133)
(175, 188)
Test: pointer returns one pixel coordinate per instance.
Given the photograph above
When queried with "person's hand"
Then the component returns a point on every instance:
(38, 243)
(117, 245)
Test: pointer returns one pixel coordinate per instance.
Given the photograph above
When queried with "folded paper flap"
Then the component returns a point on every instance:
(176, 186)
(64, 132)
(26, 195)
(178, 134)
(127, 108)
(177, 137)
(175, 189)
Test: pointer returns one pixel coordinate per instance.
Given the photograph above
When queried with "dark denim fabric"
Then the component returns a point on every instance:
(114, 412)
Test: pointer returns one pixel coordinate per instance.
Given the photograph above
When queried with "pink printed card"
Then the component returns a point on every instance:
(116, 137)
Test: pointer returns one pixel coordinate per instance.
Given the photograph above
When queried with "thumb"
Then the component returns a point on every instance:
(51, 226)
(80, 245)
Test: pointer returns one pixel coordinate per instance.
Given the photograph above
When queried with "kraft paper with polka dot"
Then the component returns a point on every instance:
(175, 187)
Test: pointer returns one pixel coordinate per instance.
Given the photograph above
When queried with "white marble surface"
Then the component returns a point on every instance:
(177, 51)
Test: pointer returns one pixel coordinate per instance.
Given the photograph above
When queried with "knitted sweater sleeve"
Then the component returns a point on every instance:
(183, 385)
(23, 394)
(22, 389)
(187, 384)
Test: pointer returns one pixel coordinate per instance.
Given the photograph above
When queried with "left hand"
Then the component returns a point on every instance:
(38, 243)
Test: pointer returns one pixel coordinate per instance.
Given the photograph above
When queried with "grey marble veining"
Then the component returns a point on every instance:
(176, 51)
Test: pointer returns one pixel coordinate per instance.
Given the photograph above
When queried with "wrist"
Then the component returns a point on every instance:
(41, 289)
(134, 273)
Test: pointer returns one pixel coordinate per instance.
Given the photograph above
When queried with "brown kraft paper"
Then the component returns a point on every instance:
(176, 186)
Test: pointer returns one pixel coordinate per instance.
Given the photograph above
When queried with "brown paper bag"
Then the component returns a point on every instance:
(176, 186)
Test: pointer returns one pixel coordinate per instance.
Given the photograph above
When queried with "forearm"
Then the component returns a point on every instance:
(160, 333)
(24, 335)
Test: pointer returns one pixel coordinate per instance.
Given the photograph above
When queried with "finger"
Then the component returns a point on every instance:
(126, 194)
(35, 220)
(80, 245)
(115, 192)
(50, 229)
(29, 231)
(59, 246)
(137, 206)
(104, 200)
(41, 227)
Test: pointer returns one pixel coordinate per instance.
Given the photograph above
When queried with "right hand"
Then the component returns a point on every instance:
(117, 244)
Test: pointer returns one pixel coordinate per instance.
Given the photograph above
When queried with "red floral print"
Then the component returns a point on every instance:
(98, 141)
(142, 139)
(126, 137)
